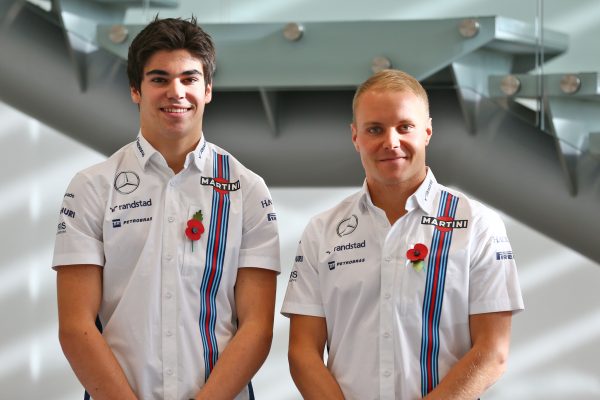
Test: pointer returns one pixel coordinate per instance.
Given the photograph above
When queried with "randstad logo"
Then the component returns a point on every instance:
(350, 246)
(133, 204)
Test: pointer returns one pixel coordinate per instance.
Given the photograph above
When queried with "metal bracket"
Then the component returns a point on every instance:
(572, 106)
(471, 74)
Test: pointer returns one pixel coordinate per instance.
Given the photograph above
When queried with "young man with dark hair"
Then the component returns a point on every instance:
(410, 285)
(167, 252)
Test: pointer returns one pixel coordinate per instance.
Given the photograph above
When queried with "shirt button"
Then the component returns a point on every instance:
(386, 335)
(387, 374)
(387, 296)
(169, 257)
(168, 295)
(171, 219)
(171, 183)
(169, 371)
(169, 333)
(388, 258)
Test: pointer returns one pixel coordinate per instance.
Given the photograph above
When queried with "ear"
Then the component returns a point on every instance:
(136, 96)
(208, 93)
(428, 131)
(354, 136)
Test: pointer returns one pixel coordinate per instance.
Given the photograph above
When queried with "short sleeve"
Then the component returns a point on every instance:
(260, 238)
(493, 280)
(303, 295)
(79, 230)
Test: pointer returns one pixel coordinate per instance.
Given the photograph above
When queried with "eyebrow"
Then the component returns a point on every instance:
(165, 73)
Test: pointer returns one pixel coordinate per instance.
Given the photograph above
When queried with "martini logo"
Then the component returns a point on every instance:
(220, 185)
(445, 224)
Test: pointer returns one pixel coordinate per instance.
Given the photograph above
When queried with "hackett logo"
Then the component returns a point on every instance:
(220, 184)
(444, 224)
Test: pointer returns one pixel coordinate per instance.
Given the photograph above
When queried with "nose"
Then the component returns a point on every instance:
(176, 90)
(391, 139)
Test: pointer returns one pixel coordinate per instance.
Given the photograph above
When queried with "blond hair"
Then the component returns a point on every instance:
(391, 80)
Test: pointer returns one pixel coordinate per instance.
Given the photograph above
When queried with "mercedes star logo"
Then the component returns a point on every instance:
(126, 182)
(347, 226)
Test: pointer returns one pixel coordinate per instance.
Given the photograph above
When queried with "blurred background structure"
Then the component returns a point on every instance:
(514, 93)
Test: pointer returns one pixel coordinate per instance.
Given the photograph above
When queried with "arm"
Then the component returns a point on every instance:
(483, 365)
(243, 356)
(79, 290)
(308, 336)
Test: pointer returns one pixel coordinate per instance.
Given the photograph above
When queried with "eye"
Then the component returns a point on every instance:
(404, 127)
(190, 80)
(374, 130)
(158, 80)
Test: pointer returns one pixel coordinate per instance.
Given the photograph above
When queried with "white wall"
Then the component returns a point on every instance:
(555, 344)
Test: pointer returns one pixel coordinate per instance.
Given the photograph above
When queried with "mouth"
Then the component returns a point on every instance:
(394, 158)
(175, 110)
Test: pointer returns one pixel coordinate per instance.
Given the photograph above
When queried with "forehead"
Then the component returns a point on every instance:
(385, 104)
(173, 61)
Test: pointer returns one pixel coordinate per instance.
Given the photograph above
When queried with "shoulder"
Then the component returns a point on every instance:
(326, 222)
(479, 214)
(101, 176)
(236, 170)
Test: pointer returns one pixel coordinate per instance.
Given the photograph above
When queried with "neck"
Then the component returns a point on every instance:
(175, 151)
(391, 198)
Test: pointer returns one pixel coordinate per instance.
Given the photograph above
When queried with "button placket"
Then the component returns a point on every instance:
(169, 290)
(386, 346)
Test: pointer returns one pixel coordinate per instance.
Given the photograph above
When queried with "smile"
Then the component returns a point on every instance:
(175, 110)
(393, 159)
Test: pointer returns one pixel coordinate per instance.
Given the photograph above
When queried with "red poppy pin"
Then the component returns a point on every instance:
(417, 255)
(195, 229)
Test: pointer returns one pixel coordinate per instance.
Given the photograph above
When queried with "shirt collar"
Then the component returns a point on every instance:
(423, 197)
(143, 150)
(196, 156)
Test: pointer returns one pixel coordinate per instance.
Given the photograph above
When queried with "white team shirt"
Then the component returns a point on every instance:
(167, 311)
(393, 332)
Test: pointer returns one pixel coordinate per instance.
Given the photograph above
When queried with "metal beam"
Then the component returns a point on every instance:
(309, 62)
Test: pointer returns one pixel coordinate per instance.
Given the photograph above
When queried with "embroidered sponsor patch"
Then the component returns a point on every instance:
(504, 255)
(299, 258)
(66, 212)
(62, 228)
(499, 239)
(444, 223)
(220, 184)
(271, 217)
(117, 223)
(294, 276)
(350, 246)
(347, 225)
(126, 182)
(333, 264)
(133, 204)
(266, 203)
